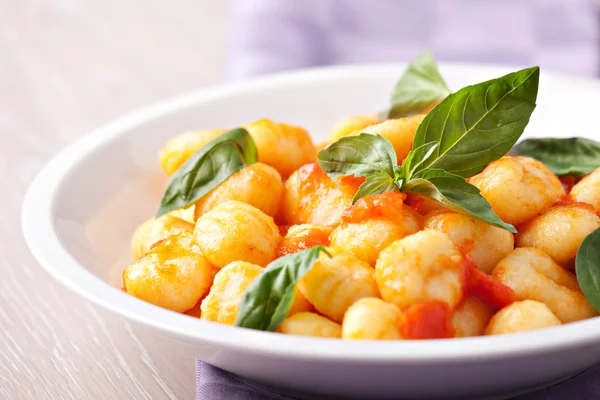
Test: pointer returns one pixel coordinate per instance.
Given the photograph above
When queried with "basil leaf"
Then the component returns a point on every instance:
(205, 170)
(268, 299)
(360, 155)
(587, 268)
(479, 123)
(564, 156)
(455, 193)
(416, 157)
(418, 88)
(375, 184)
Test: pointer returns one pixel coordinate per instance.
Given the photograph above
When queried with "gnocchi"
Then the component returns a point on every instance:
(334, 284)
(485, 244)
(521, 316)
(367, 236)
(533, 275)
(154, 230)
(371, 318)
(311, 197)
(236, 231)
(365, 254)
(587, 190)
(310, 324)
(518, 188)
(223, 300)
(422, 267)
(284, 147)
(400, 132)
(180, 148)
(173, 274)
(257, 184)
(560, 231)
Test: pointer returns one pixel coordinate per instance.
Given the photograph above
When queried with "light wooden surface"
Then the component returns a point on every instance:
(67, 66)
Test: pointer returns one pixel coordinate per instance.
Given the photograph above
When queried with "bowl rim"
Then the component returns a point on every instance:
(37, 220)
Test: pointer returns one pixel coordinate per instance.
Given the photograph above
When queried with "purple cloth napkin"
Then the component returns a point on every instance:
(275, 35)
(213, 383)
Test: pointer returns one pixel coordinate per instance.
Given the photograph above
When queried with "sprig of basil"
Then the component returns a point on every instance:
(206, 169)
(418, 88)
(455, 193)
(360, 155)
(416, 157)
(268, 299)
(479, 123)
(564, 156)
(587, 267)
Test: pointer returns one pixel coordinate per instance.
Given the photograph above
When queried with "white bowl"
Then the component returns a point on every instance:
(82, 208)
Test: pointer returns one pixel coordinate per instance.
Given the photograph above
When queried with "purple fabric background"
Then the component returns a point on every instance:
(276, 35)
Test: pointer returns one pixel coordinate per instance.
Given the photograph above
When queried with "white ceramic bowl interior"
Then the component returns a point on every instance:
(81, 210)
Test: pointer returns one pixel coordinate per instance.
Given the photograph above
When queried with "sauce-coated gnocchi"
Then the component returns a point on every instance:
(392, 263)
(257, 184)
(173, 274)
(518, 188)
(422, 267)
(236, 231)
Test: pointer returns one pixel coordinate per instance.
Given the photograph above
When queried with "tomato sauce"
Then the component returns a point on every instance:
(568, 181)
(487, 289)
(431, 320)
(387, 205)
(352, 180)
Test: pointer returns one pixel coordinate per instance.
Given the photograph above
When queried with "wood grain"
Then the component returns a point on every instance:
(67, 66)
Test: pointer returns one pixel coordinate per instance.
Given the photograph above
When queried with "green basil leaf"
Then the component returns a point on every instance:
(205, 170)
(359, 155)
(416, 157)
(375, 184)
(455, 193)
(420, 86)
(564, 156)
(587, 268)
(268, 299)
(479, 123)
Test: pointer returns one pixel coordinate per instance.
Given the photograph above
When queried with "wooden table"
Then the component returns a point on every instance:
(65, 67)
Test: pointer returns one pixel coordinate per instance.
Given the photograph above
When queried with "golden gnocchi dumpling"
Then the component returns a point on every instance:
(367, 235)
(154, 230)
(486, 244)
(587, 190)
(372, 318)
(471, 317)
(560, 231)
(236, 231)
(518, 188)
(173, 274)
(419, 268)
(351, 125)
(521, 316)
(311, 197)
(400, 132)
(310, 324)
(181, 147)
(257, 184)
(334, 284)
(533, 275)
(284, 147)
(230, 283)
